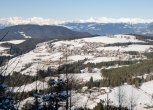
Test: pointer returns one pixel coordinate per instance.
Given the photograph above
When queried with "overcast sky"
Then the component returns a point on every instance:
(76, 9)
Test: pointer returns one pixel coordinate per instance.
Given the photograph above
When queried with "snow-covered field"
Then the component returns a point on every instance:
(93, 49)
(3, 48)
(129, 95)
(101, 59)
(13, 41)
(79, 57)
(83, 76)
(134, 47)
(30, 87)
(113, 39)
(49, 54)
(147, 87)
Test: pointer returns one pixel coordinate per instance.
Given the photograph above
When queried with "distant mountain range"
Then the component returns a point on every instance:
(99, 25)
(73, 30)
(37, 31)
(111, 28)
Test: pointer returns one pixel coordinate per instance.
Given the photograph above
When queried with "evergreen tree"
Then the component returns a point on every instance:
(90, 83)
(99, 107)
(6, 101)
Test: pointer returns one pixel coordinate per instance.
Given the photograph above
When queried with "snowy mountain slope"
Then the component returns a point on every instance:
(43, 21)
(94, 50)
(128, 93)
(133, 47)
(113, 39)
(147, 87)
(49, 54)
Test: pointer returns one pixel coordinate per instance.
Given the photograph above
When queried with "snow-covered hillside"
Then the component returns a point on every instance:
(4, 50)
(141, 99)
(94, 50)
(113, 39)
(129, 94)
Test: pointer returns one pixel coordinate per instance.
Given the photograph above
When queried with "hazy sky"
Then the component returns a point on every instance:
(75, 9)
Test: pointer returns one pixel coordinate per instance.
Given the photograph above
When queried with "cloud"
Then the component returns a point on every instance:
(43, 21)
(33, 20)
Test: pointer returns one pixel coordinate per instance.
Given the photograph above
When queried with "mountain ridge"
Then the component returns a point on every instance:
(40, 31)
(111, 28)
(94, 28)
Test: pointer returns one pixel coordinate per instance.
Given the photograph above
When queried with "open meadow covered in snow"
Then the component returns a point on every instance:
(128, 95)
(113, 39)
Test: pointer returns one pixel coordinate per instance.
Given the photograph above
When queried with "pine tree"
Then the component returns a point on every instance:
(99, 107)
(6, 101)
(56, 95)
(91, 82)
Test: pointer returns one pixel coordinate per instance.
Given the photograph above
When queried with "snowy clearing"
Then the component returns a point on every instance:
(147, 87)
(101, 59)
(79, 57)
(83, 76)
(13, 41)
(24, 35)
(128, 93)
(29, 87)
(113, 39)
(138, 48)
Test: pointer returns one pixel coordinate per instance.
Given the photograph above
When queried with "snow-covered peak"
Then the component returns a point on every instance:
(117, 20)
(49, 21)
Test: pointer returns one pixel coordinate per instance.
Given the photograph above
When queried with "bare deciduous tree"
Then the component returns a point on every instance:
(120, 97)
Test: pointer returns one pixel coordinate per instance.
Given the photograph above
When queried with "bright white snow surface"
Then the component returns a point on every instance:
(128, 93)
(113, 39)
(24, 35)
(13, 41)
(147, 87)
(3, 48)
(79, 57)
(44, 21)
(20, 64)
(101, 59)
(134, 47)
(83, 76)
